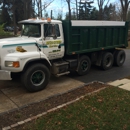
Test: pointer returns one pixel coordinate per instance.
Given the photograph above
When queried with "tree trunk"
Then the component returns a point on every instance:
(124, 14)
(25, 10)
(100, 14)
(38, 9)
(68, 2)
(14, 21)
(76, 9)
(124, 7)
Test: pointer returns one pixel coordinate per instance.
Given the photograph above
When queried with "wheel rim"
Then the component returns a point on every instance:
(108, 61)
(37, 77)
(84, 66)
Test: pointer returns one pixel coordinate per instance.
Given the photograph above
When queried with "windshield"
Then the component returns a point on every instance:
(31, 30)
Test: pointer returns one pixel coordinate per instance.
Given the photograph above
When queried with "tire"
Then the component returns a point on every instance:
(84, 65)
(119, 57)
(36, 77)
(107, 61)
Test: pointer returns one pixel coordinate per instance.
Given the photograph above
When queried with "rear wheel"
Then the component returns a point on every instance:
(36, 77)
(84, 65)
(119, 57)
(107, 61)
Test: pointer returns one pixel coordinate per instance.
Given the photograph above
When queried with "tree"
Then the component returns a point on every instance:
(128, 15)
(69, 8)
(0, 16)
(27, 8)
(124, 7)
(85, 9)
(40, 6)
(113, 12)
(101, 5)
(59, 16)
(73, 16)
(46, 15)
(13, 7)
(74, 2)
(118, 11)
(14, 10)
(76, 8)
(5, 17)
(94, 14)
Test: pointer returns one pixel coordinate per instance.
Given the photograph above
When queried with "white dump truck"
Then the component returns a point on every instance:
(55, 47)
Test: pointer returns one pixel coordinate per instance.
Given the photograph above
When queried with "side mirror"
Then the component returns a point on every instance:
(54, 37)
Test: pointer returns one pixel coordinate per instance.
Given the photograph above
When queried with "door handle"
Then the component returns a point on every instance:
(59, 46)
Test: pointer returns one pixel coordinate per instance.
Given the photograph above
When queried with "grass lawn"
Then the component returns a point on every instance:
(108, 109)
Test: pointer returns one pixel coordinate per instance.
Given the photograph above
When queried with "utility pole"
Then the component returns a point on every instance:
(51, 14)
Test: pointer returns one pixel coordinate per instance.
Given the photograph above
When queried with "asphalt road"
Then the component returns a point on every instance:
(96, 74)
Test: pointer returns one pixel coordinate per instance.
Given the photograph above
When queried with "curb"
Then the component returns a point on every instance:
(51, 110)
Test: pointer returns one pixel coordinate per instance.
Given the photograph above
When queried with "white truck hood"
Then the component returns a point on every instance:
(16, 40)
(16, 46)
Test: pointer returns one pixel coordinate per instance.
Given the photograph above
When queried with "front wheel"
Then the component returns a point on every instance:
(36, 77)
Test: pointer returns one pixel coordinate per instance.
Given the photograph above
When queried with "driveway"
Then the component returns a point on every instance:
(13, 95)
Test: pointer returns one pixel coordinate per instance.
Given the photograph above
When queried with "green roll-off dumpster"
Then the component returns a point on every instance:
(89, 36)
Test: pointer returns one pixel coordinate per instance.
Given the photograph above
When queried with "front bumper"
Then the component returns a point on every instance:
(5, 75)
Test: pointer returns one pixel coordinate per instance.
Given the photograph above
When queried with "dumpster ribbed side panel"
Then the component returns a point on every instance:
(84, 39)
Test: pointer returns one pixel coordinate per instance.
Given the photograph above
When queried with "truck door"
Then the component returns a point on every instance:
(53, 40)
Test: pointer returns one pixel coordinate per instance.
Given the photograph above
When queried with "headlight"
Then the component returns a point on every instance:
(12, 64)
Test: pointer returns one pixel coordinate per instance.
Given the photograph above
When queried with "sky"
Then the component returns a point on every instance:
(60, 6)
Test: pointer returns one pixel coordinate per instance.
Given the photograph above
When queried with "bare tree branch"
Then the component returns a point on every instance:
(45, 6)
(124, 7)
(101, 7)
(41, 7)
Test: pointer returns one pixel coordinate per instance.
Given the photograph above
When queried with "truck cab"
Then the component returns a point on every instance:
(41, 42)
(48, 35)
